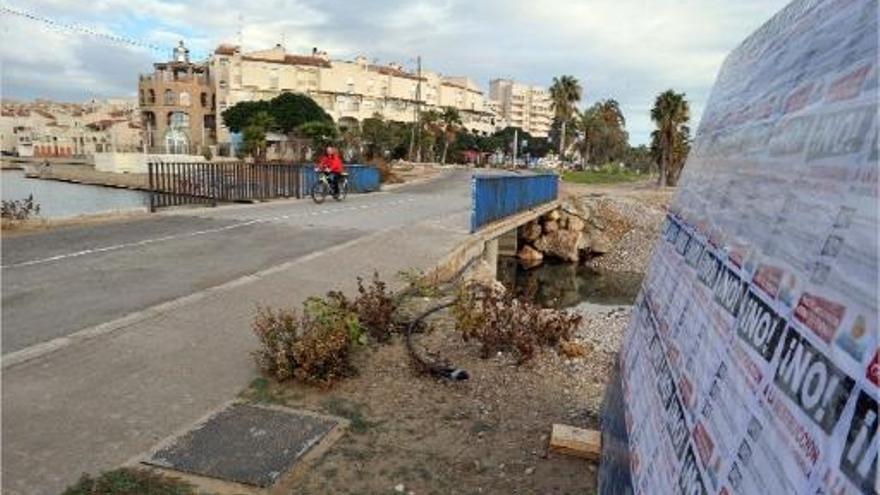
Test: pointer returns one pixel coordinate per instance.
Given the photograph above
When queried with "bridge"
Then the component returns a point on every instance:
(118, 334)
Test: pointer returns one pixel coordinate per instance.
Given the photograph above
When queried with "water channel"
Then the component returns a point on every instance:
(62, 199)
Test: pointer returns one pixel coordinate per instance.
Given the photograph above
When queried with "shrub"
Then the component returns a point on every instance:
(374, 306)
(19, 209)
(313, 347)
(128, 481)
(502, 323)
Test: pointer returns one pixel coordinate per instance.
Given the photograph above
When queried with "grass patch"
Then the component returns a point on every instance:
(607, 174)
(127, 481)
(350, 410)
(262, 390)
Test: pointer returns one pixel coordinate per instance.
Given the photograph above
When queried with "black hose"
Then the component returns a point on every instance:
(435, 369)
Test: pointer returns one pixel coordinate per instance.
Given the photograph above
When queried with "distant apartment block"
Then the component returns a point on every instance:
(521, 105)
(182, 102)
(45, 128)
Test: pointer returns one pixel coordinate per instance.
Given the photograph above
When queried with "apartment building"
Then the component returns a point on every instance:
(521, 105)
(178, 105)
(182, 101)
(350, 91)
(45, 128)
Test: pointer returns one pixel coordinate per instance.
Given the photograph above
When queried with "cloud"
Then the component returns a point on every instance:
(629, 50)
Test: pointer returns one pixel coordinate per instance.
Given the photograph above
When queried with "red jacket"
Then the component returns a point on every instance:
(331, 162)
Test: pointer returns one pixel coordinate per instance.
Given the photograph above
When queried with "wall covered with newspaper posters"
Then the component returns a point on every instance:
(751, 363)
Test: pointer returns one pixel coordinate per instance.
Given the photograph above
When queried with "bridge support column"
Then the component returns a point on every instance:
(490, 255)
(507, 243)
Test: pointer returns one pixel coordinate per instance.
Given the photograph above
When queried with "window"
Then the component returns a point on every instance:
(204, 100)
(151, 99)
(169, 97)
(142, 98)
(178, 120)
(184, 99)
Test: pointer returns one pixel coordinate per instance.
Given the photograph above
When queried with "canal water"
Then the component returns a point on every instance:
(566, 285)
(63, 199)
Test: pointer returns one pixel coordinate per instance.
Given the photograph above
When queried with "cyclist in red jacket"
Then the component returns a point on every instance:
(331, 163)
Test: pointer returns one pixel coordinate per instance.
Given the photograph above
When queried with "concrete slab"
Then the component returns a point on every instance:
(245, 443)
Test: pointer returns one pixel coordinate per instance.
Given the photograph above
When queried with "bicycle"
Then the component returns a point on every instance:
(322, 187)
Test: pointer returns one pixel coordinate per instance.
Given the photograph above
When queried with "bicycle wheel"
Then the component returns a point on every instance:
(343, 190)
(320, 191)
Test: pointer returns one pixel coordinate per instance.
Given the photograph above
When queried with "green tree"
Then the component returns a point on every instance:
(431, 129)
(292, 110)
(670, 141)
(450, 121)
(565, 93)
(254, 134)
(319, 132)
(236, 117)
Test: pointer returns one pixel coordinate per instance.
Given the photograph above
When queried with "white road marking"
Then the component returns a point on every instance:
(116, 247)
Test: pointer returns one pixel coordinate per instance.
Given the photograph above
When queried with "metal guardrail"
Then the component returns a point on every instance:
(173, 184)
(494, 197)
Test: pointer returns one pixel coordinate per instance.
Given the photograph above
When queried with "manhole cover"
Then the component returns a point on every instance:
(244, 443)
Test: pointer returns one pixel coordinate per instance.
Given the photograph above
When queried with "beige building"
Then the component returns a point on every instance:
(350, 91)
(520, 105)
(44, 128)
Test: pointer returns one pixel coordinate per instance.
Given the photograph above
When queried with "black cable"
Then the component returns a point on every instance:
(435, 369)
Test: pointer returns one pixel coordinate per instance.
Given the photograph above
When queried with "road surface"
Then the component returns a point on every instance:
(117, 335)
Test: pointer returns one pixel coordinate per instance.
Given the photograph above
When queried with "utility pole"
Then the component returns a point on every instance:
(419, 109)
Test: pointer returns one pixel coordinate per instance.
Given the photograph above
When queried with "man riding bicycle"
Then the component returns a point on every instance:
(331, 163)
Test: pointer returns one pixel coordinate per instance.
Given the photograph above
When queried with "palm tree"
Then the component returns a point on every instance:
(451, 121)
(670, 114)
(590, 126)
(565, 92)
(431, 128)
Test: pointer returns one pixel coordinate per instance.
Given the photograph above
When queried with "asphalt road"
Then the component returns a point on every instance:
(58, 282)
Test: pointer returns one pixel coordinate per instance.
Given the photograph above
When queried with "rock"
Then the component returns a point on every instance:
(551, 226)
(530, 470)
(528, 253)
(576, 224)
(562, 244)
(563, 220)
(481, 273)
(599, 243)
(530, 231)
(584, 243)
(399, 488)
(552, 215)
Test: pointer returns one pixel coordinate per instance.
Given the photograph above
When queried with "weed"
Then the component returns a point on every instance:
(19, 209)
(501, 322)
(127, 481)
(374, 306)
(418, 283)
(352, 411)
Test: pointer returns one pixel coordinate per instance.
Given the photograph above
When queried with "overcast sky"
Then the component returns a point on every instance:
(629, 50)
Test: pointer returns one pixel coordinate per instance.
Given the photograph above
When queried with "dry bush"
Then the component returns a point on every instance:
(313, 347)
(502, 323)
(374, 306)
(386, 173)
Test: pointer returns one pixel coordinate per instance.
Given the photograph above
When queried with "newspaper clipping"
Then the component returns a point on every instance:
(751, 364)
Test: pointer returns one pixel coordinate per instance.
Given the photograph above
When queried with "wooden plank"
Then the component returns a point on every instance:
(578, 442)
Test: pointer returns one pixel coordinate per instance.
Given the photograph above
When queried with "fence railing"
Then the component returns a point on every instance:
(494, 197)
(174, 183)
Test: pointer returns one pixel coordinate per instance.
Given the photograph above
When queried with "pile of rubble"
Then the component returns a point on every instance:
(571, 232)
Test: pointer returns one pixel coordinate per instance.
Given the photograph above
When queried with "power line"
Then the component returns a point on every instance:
(78, 28)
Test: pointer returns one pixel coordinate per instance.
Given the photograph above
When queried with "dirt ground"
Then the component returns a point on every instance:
(486, 435)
